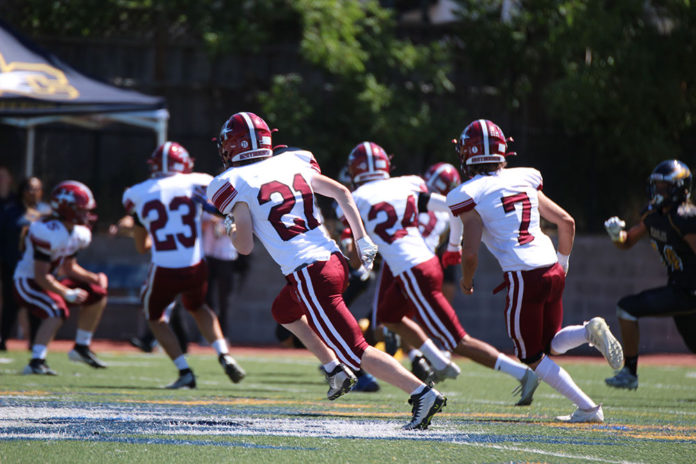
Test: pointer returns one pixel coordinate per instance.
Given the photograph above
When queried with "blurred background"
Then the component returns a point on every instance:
(595, 94)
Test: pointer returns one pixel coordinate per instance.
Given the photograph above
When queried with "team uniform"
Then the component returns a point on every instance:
(163, 205)
(411, 283)
(678, 297)
(49, 240)
(285, 218)
(507, 201)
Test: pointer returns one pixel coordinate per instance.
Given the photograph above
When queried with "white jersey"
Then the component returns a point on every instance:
(389, 209)
(508, 204)
(49, 237)
(164, 206)
(280, 198)
(432, 225)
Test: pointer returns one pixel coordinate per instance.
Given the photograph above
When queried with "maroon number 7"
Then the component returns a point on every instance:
(509, 202)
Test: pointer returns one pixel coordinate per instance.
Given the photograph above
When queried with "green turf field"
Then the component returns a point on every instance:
(279, 414)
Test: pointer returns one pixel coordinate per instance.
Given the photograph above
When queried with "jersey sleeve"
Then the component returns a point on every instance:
(41, 237)
(534, 178)
(84, 236)
(222, 194)
(128, 201)
(685, 219)
(307, 157)
(460, 201)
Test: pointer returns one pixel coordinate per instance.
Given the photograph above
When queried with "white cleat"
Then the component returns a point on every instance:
(598, 335)
(526, 388)
(450, 371)
(595, 415)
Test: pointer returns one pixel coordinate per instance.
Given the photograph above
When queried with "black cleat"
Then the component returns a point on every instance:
(82, 353)
(232, 369)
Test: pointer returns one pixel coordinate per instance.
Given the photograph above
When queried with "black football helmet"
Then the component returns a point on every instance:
(669, 183)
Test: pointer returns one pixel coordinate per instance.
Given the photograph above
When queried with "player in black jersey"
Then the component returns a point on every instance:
(669, 220)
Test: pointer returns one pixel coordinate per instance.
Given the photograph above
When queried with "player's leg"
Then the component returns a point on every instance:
(320, 287)
(51, 310)
(90, 314)
(539, 294)
(193, 299)
(290, 314)
(159, 291)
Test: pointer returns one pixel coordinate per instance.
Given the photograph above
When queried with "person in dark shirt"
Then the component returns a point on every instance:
(18, 212)
(669, 221)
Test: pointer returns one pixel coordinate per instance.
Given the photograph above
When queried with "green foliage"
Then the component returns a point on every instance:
(611, 83)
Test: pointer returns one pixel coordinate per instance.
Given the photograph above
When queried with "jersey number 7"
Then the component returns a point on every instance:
(509, 202)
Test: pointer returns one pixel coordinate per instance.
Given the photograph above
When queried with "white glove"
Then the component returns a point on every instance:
(72, 295)
(563, 261)
(229, 224)
(363, 273)
(615, 226)
(367, 251)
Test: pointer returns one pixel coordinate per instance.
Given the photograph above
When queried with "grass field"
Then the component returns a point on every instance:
(279, 414)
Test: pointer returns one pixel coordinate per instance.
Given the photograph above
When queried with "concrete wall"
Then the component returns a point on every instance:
(599, 275)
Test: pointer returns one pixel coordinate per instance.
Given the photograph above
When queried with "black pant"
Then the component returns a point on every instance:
(666, 301)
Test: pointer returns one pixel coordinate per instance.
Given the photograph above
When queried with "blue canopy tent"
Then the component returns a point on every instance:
(38, 88)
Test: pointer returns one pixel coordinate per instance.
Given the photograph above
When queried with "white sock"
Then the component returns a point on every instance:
(83, 337)
(560, 380)
(181, 363)
(220, 346)
(39, 351)
(413, 354)
(418, 390)
(331, 365)
(568, 338)
(433, 354)
(510, 367)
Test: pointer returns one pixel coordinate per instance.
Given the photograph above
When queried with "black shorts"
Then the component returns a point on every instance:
(664, 302)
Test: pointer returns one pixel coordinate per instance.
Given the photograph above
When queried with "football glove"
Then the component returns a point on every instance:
(367, 251)
(229, 224)
(452, 256)
(615, 226)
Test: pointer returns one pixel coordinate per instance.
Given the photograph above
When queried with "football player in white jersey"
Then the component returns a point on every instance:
(502, 207)
(272, 195)
(411, 284)
(51, 245)
(168, 224)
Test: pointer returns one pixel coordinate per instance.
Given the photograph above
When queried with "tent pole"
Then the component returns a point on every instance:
(29, 153)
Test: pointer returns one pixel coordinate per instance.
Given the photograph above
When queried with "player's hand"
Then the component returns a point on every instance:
(614, 226)
(466, 288)
(75, 295)
(451, 256)
(103, 280)
(230, 227)
(367, 251)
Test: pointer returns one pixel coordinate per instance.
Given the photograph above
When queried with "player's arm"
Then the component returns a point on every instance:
(142, 239)
(328, 187)
(46, 280)
(242, 231)
(624, 239)
(473, 230)
(437, 202)
(72, 269)
(123, 226)
(552, 212)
